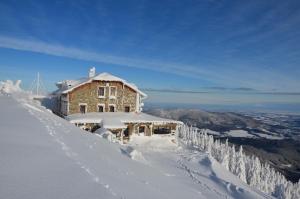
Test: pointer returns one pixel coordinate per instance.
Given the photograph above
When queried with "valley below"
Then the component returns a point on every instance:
(274, 138)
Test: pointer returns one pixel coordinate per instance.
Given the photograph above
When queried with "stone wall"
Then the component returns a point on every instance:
(88, 93)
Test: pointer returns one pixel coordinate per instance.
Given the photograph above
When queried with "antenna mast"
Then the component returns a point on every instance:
(38, 84)
(37, 87)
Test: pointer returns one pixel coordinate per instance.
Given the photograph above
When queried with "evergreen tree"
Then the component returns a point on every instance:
(225, 160)
(224, 155)
(232, 160)
(240, 167)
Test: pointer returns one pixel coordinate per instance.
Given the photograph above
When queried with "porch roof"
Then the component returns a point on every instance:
(114, 120)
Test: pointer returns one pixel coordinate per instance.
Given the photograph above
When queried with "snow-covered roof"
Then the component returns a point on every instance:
(113, 120)
(72, 84)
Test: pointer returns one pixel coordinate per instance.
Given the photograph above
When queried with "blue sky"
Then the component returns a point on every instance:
(178, 45)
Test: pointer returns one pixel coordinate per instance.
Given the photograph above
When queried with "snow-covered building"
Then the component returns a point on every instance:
(99, 93)
(110, 102)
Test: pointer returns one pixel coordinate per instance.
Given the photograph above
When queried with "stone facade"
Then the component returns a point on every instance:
(88, 94)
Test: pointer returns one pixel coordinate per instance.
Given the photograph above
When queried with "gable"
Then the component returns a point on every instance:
(105, 77)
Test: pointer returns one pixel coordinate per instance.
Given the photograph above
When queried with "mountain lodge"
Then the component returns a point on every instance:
(107, 101)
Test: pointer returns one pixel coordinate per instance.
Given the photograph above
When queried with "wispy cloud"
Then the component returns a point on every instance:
(225, 75)
(76, 53)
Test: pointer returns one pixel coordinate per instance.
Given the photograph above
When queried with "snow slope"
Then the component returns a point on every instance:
(44, 156)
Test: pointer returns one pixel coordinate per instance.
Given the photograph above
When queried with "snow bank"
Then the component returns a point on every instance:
(9, 87)
(153, 143)
(134, 154)
(106, 134)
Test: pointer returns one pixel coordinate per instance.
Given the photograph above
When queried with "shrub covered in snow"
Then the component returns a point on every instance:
(9, 87)
(106, 134)
(248, 168)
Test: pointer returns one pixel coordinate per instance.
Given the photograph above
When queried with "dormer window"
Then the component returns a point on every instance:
(112, 92)
(101, 92)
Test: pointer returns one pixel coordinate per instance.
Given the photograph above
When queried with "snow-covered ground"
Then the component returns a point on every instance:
(44, 156)
(238, 133)
(244, 134)
(269, 136)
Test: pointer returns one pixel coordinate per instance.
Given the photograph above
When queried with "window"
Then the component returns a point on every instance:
(111, 108)
(101, 91)
(64, 107)
(82, 108)
(100, 108)
(127, 109)
(112, 91)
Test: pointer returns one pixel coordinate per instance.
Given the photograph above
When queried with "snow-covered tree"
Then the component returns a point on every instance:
(248, 169)
(255, 180)
(232, 159)
(225, 161)
(240, 165)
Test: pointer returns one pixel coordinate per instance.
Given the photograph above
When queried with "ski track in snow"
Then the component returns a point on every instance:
(195, 175)
(233, 190)
(50, 125)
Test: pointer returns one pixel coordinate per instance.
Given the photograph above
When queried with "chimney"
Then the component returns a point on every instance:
(92, 72)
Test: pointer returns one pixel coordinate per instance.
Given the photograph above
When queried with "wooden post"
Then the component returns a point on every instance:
(135, 129)
(122, 133)
(151, 129)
